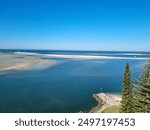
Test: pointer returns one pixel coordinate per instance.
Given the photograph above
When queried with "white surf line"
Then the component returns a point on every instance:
(94, 57)
(81, 56)
(27, 53)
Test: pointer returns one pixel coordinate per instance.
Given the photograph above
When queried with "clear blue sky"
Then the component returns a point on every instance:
(75, 24)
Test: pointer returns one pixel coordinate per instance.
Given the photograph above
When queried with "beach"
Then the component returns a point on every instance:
(105, 100)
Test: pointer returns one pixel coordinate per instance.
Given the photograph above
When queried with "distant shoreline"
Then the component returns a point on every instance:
(27, 60)
(74, 50)
(81, 56)
(105, 100)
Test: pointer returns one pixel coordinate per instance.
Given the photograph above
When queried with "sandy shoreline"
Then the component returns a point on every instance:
(105, 100)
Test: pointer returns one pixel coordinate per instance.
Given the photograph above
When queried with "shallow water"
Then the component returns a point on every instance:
(65, 87)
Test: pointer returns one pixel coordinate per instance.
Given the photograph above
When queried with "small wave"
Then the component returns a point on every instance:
(26, 53)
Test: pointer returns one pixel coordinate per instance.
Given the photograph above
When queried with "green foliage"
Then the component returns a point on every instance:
(112, 109)
(127, 94)
(142, 91)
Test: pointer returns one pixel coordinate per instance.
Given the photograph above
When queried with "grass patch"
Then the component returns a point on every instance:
(112, 109)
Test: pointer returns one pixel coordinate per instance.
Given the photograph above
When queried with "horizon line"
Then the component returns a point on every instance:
(72, 50)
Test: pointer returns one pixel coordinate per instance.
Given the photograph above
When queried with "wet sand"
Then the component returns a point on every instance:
(15, 62)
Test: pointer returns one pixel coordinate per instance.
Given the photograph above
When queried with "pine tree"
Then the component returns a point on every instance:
(127, 94)
(142, 91)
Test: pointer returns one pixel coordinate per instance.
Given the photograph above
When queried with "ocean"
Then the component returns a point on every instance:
(68, 86)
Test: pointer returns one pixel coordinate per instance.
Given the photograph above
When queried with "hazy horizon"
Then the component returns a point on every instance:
(75, 50)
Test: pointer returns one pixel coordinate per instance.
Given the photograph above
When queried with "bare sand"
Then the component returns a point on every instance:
(105, 100)
(13, 62)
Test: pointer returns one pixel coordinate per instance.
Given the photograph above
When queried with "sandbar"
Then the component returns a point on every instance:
(14, 62)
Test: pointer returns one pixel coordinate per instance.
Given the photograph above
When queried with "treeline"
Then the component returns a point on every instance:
(136, 97)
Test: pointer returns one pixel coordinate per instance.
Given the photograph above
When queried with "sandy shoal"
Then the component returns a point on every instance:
(13, 62)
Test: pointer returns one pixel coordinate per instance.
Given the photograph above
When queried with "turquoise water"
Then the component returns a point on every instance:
(65, 87)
